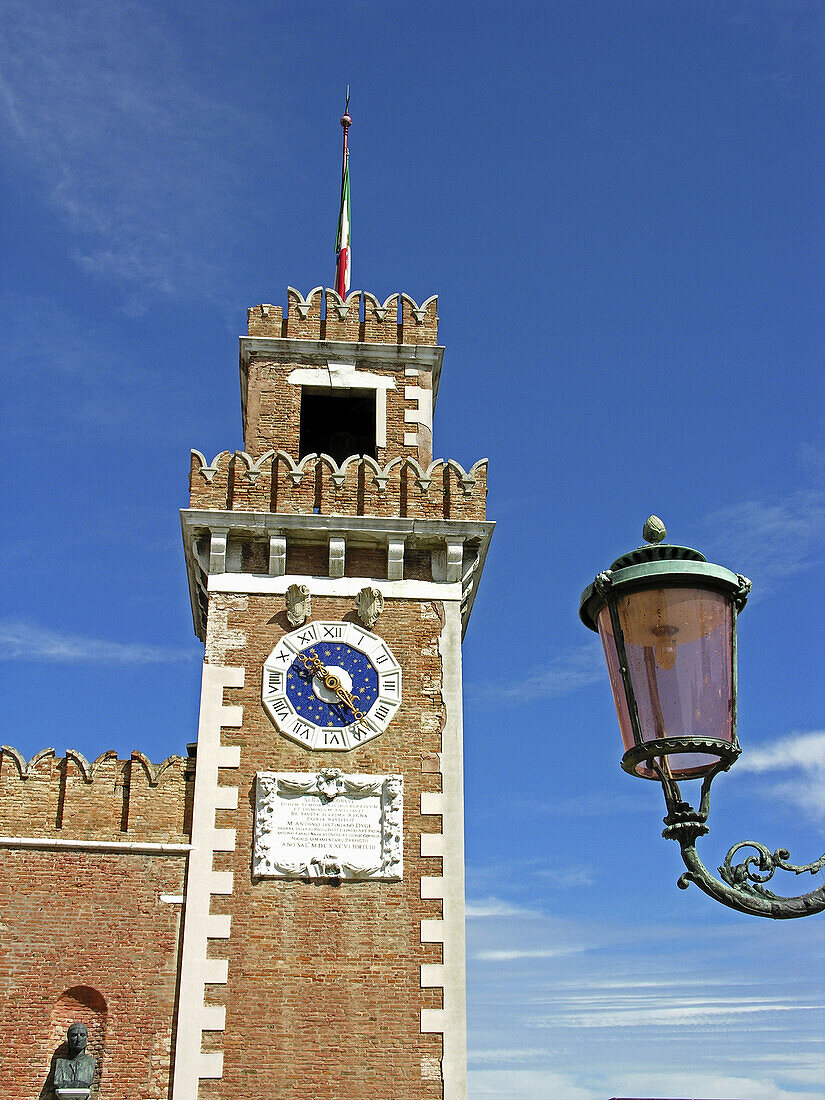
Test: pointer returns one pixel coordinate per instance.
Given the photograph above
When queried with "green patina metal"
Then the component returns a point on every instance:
(667, 567)
(741, 885)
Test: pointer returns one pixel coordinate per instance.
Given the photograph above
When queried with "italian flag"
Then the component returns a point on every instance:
(342, 247)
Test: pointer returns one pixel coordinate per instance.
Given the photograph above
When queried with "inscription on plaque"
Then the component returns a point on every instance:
(328, 825)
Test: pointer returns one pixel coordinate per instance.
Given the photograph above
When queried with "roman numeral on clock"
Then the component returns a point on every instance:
(280, 707)
(389, 685)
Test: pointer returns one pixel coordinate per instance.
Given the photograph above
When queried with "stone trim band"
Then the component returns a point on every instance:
(124, 847)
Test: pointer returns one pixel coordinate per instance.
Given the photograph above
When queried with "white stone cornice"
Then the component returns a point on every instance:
(254, 584)
(363, 529)
(444, 538)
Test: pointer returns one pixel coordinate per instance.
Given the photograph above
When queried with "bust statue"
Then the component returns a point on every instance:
(77, 1070)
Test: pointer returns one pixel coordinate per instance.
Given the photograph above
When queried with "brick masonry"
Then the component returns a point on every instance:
(102, 923)
(330, 973)
(267, 988)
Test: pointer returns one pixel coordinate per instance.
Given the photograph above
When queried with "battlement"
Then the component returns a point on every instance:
(71, 797)
(324, 315)
(316, 484)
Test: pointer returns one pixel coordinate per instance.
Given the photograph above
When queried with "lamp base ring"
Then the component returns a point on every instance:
(725, 753)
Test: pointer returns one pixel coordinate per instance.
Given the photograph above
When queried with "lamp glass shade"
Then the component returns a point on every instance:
(679, 646)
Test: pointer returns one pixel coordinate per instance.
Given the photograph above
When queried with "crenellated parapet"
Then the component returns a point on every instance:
(359, 486)
(361, 317)
(107, 798)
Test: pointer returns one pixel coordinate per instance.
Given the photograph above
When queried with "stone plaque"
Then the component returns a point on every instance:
(328, 825)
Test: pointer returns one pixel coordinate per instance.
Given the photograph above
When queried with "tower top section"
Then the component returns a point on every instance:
(341, 376)
(337, 477)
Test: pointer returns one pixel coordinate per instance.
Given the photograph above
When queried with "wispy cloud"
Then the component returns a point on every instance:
(105, 108)
(567, 672)
(482, 1057)
(528, 1084)
(22, 641)
(800, 753)
(494, 907)
(770, 539)
(642, 1010)
(699, 1082)
(514, 954)
(567, 877)
(545, 1081)
(798, 750)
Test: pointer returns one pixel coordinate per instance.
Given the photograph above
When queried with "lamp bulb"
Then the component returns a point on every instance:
(665, 654)
(664, 650)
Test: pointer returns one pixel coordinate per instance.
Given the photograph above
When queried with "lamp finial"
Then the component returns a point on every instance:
(654, 530)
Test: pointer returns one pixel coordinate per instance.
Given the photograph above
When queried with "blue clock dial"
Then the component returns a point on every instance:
(309, 698)
(331, 686)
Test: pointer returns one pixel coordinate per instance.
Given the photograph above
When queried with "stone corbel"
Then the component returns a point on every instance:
(277, 555)
(369, 603)
(395, 560)
(217, 549)
(337, 555)
(298, 603)
(455, 559)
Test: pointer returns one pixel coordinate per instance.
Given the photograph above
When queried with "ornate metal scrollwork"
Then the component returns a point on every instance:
(740, 597)
(603, 583)
(741, 885)
(752, 873)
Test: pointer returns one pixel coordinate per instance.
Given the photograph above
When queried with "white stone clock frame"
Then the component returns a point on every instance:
(332, 738)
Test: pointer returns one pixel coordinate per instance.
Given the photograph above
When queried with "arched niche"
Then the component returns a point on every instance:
(79, 1005)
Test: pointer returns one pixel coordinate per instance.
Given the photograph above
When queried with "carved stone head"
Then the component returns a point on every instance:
(298, 603)
(369, 603)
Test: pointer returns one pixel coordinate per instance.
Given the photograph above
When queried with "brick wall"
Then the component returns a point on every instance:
(91, 921)
(324, 994)
(95, 921)
(273, 409)
(273, 404)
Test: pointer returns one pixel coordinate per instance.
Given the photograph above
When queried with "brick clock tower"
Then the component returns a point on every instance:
(332, 568)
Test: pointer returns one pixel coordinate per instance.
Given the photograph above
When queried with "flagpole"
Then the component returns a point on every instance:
(342, 263)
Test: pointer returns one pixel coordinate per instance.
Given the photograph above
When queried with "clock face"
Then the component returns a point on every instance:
(331, 686)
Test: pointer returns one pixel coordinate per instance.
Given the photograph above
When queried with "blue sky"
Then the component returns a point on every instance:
(620, 206)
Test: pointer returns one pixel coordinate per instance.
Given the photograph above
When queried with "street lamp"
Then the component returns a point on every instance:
(667, 620)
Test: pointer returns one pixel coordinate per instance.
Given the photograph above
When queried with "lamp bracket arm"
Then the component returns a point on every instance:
(742, 884)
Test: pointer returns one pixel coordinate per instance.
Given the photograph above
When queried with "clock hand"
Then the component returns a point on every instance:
(312, 663)
(350, 700)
